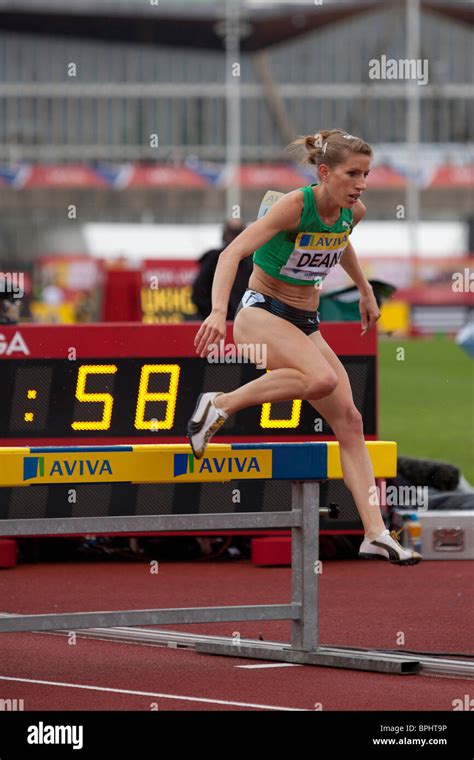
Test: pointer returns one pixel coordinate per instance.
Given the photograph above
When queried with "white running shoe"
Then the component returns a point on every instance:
(205, 421)
(386, 547)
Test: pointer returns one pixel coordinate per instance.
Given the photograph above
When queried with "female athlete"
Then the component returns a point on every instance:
(295, 245)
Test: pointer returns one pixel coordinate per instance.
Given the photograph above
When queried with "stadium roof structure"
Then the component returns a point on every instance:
(195, 23)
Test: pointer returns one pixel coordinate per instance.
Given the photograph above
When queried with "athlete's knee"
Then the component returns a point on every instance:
(321, 385)
(348, 423)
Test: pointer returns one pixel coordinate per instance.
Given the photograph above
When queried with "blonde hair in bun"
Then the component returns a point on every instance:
(330, 146)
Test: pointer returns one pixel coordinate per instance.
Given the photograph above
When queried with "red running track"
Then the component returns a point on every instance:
(362, 604)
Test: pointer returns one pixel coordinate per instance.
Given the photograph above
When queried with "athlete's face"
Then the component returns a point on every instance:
(347, 181)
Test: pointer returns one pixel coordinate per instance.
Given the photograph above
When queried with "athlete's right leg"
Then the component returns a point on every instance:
(299, 369)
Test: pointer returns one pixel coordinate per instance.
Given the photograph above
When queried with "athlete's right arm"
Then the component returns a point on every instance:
(285, 214)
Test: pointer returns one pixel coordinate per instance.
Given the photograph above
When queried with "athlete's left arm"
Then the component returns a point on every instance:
(369, 309)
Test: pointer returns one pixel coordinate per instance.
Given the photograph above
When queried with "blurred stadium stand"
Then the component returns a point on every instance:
(144, 69)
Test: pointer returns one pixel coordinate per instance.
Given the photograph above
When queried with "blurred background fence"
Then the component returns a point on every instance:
(126, 113)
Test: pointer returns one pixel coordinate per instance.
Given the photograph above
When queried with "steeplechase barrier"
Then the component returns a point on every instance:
(305, 464)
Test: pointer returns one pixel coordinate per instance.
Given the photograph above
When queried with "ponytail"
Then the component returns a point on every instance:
(330, 146)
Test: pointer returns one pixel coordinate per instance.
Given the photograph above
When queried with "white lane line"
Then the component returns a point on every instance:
(151, 694)
(273, 665)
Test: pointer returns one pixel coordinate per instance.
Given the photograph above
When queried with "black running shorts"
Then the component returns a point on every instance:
(307, 321)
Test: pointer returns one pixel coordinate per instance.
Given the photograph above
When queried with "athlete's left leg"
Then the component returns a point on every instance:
(342, 415)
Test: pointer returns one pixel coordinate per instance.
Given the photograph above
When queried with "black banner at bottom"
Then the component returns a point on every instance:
(140, 734)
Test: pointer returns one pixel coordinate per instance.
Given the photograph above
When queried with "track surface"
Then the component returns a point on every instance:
(362, 604)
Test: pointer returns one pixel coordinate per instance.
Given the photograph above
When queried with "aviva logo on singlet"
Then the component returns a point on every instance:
(186, 464)
(321, 241)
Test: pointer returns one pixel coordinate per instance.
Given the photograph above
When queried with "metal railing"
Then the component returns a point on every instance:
(65, 99)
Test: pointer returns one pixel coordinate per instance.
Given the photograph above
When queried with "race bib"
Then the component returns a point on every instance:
(315, 254)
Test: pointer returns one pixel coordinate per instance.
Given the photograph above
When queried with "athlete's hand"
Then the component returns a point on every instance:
(369, 311)
(212, 330)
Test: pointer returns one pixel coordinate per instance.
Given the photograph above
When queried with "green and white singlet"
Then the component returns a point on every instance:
(304, 256)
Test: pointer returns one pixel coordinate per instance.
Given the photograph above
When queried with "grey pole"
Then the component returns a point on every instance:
(232, 62)
(412, 18)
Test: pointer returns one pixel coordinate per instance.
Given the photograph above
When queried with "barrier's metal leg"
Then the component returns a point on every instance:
(297, 567)
(305, 567)
(310, 531)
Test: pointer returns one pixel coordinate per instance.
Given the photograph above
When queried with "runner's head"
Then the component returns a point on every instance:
(342, 163)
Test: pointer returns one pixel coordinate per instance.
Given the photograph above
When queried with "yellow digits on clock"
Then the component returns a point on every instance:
(97, 398)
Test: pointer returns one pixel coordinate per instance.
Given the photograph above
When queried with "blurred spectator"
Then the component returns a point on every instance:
(9, 309)
(202, 286)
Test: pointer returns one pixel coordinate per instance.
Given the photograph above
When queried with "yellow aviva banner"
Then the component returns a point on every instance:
(134, 464)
